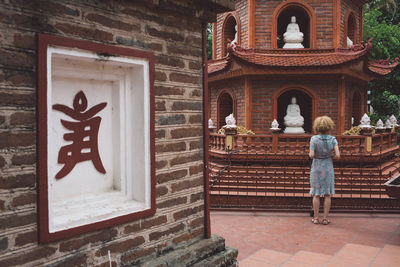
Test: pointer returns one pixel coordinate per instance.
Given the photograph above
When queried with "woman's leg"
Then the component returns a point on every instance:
(327, 206)
(316, 206)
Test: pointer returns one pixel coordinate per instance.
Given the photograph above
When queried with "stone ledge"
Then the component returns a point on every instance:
(204, 252)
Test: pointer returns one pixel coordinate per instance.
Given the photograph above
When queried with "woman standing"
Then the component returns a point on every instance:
(322, 178)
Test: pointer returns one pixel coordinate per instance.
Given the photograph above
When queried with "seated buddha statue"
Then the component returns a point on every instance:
(293, 37)
(293, 120)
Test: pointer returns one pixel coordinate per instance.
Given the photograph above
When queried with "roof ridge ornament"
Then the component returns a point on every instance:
(385, 63)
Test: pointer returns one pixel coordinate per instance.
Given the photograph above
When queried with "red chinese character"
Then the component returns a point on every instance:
(83, 136)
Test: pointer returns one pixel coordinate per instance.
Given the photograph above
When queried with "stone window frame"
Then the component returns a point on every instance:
(44, 42)
(311, 14)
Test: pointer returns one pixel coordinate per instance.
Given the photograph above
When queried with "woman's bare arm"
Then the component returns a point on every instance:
(311, 154)
(337, 152)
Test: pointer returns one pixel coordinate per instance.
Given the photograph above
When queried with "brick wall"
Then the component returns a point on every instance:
(263, 90)
(176, 42)
(236, 88)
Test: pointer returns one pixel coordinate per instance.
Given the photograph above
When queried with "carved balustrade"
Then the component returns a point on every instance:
(298, 145)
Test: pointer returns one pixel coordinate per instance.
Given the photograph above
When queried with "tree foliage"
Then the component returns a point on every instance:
(382, 23)
(209, 40)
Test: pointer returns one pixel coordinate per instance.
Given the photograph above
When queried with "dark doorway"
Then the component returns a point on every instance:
(302, 19)
(225, 108)
(305, 103)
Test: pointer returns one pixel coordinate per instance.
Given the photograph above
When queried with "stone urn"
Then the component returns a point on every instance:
(393, 187)
(380, 128)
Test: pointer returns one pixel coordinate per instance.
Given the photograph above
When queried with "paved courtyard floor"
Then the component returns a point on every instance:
(290, 239)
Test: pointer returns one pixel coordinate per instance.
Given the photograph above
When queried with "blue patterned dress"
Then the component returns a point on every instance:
(322, 177)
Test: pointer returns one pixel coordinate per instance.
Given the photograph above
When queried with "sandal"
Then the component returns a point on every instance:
(315, 220)
(325, 221)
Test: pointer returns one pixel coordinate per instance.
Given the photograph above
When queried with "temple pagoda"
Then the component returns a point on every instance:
(268, 55)
(254, 77)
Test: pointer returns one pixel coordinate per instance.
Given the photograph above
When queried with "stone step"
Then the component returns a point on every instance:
(226, 258)
(211, 250)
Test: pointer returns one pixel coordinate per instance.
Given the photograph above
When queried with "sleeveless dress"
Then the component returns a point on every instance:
(322, 177)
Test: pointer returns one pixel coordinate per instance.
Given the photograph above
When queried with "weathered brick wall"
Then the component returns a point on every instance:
(236, 88)
(345, 8)
(263, 91)
(176, 42)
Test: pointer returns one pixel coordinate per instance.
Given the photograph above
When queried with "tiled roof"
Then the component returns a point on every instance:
(302, 58)
(217, 65)
(313, 58)
(383, 67)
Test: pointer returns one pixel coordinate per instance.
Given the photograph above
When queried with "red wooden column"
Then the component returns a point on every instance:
(248, 99)
(341, 105)
(207, 223)
(251, 23)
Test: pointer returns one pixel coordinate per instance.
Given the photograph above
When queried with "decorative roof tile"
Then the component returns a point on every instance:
(303, 58)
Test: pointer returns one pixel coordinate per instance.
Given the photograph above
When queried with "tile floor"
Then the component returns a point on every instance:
(290, 239)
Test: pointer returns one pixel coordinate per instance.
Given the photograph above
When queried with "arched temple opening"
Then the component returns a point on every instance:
(351, 28)
(302, 19)
(305, 103)
(229, 32)
(225, 108)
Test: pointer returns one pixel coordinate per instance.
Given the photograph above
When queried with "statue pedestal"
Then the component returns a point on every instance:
(294, 130)
(293, 46)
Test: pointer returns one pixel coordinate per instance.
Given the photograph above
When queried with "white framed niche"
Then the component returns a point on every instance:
(112, 180)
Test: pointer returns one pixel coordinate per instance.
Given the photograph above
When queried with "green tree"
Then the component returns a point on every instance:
(382, 23)
(209, 40)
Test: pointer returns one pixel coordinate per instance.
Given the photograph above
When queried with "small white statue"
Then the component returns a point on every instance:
(293, 37)
(388, 124)
(230, 122)
(349, 42)
(352, 121)
(275, 124)
(393, 120)
(365, 121)
(234, 42)
(211, 124)
(293, 120)
(379, 124)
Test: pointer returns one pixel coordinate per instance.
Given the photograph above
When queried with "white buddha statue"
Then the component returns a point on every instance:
(234, 42)
(349, 42)
(293, 37)
(393, 120)
(293, 120)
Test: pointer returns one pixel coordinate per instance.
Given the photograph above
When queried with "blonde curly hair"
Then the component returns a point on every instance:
(323, 124)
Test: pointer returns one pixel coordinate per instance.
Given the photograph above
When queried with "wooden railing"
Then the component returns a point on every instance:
(289, 144)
